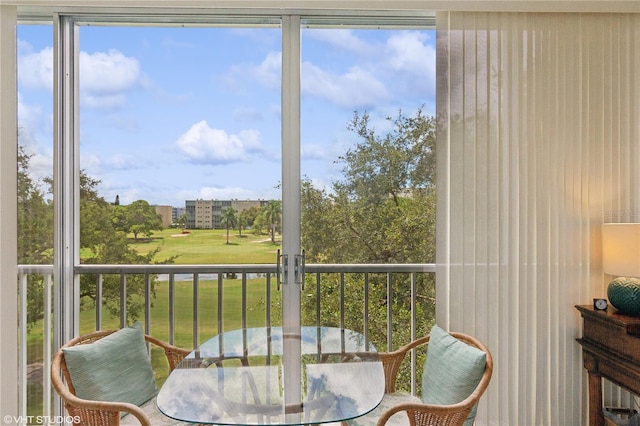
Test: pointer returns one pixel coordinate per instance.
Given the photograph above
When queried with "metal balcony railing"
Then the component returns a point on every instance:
(167, 276)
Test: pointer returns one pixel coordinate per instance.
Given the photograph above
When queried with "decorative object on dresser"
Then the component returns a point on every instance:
(621, 257)
(600, 304)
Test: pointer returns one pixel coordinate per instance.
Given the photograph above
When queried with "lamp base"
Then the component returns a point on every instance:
(624, 295)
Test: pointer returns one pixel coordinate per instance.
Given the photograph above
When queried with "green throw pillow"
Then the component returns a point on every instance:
(116, 368)
(452, 370)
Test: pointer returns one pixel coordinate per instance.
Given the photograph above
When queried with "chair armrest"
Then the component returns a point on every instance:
(173, 353)
(111, 410)
(427, 414)
(391, 362)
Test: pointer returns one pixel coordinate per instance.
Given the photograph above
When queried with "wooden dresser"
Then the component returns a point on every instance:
(610, 349)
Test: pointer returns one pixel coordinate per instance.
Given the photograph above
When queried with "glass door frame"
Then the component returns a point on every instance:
(291, 211)
(66, 140)
(67, 184)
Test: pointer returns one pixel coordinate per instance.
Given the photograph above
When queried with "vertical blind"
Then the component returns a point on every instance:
(538, 145)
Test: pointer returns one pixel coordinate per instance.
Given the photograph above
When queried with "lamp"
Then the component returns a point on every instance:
(621, 257)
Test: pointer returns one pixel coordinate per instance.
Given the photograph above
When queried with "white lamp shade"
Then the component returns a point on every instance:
(621, 249)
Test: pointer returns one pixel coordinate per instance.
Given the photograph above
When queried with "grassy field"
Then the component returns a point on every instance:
(208, 309)
(202, 246)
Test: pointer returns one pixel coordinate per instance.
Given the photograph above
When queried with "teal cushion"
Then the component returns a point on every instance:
(116, 368)
(452, 370)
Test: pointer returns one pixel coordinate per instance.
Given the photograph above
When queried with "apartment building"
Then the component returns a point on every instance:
(165, 213)
(207, 214)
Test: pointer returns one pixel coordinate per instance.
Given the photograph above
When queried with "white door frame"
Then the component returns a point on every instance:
(291, 204)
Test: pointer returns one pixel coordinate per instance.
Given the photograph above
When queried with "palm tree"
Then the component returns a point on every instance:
(229, 219)
(182, 221)
(241, 223)
(273, 213)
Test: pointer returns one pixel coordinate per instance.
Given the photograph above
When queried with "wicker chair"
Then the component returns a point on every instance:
(100, 413)
(417, 412)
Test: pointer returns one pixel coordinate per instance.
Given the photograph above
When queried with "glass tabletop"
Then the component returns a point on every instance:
(236, 378)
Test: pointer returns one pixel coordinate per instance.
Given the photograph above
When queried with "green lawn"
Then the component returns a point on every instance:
(202, 246)
(208, 309)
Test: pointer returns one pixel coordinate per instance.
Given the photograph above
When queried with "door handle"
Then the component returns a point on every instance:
(282, 269)
(299, 266)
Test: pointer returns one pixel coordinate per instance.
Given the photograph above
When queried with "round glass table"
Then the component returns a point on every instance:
(237, 378)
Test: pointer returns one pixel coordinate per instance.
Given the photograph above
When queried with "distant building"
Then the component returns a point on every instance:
(176, 212)
(166, 213)
(207, 214)
(199, 214)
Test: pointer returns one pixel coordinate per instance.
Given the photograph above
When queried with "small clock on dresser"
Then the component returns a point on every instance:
(600, 304)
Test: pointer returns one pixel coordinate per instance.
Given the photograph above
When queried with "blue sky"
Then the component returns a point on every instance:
(170, 114)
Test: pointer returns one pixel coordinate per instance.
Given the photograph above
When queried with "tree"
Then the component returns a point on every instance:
(229, 219)
(137, 218)
(249, 216)
(273, 214)
(381, 210)
(241, 223)
(103, 243)
(388, 165)
(35, 216)
(100, 243)
(383, 201)
(35, 233)
(317, 216)
(182, 221)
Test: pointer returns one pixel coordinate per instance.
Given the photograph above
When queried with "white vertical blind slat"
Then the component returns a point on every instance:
(538, 143)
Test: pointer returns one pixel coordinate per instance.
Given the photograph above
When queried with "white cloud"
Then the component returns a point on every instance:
(34, 134)
(225, 193)
(403, 66)
(110, 72)
(203, 144)
(108, 102)
(30, 116)
(40, 158)
(35, 68)
(411, 62)
(91, 162)
(313, 152)
(105, 77)
(268, 73)
(344, 40)
(322, 184)
(41, 164)
(126, 195)
(355, 88)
